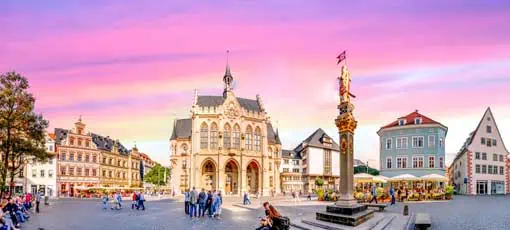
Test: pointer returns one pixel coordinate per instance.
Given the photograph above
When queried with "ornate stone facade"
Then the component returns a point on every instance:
(227, 144)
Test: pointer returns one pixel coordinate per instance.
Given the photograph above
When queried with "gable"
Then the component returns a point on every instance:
(487, 128)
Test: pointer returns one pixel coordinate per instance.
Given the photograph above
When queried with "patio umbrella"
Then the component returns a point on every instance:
(381, 179)
(363, 178)
(404, 177)
(434, 177)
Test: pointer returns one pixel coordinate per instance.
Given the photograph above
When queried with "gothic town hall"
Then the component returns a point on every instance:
(227, 144)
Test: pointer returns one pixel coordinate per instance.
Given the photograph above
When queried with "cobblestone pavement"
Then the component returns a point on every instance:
(465, 212)
(489, 212)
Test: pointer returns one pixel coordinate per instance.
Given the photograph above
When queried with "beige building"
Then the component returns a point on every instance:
(291, 172)
(88, 160)
(227, 144)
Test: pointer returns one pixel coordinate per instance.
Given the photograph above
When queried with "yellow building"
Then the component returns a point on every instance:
(119, 167)
(227, 144)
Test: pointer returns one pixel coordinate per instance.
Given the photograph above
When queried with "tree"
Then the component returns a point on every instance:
(22, 131)
(157, 175)
(319, 182)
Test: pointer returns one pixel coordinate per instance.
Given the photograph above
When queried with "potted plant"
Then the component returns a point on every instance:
(448, 191)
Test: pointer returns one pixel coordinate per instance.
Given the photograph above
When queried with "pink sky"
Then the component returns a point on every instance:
(129, 69)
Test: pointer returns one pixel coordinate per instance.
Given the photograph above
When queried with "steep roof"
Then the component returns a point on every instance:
(316, 140)
(272, 136)
(60, 135)
(212, 101)
(51, 135)
(409, 118)
(471, 136)
(182, 129)
(290, 154)
(107, 144)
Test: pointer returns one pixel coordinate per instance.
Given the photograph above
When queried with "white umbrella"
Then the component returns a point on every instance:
(404, 177)
(382, 179)
(363, 176)
(435, 177)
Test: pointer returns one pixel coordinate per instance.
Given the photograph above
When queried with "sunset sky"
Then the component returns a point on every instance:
(130, 67)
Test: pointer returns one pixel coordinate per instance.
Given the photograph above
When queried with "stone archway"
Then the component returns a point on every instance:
(231, 178)
(253, 177)
(208, 178)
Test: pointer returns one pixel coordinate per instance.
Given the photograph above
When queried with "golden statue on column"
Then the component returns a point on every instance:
(346, 210)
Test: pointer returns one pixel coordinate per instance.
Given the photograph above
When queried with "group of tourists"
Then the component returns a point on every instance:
(197, 204)
(16, 210)
(137, 198)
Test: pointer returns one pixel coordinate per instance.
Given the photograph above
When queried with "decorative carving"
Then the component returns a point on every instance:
(232, 112)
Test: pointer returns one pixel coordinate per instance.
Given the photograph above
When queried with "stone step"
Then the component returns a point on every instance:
(351, 220)
(346, 210)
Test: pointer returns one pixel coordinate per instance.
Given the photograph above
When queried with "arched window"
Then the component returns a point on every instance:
(214, 136)
(256, 141)
(227, 142)
(204, 136)
(184, 149)
(236, 137)
(248, 138)
(269, 152)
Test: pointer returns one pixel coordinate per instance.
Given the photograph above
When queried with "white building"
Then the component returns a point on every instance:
(291, 172)
(41, 176)
(320, 158)
(479, 167)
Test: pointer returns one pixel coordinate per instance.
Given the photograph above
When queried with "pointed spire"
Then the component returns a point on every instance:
(228, 79)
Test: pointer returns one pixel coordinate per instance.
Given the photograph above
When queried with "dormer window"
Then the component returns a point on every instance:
(401, 122)
(417, 120)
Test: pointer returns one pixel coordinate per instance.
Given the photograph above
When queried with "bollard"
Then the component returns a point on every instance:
(406, 210)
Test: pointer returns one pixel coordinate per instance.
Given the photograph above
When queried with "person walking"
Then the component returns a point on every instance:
(193, 198)
(202, 200)
(218, 203)
(392, 194)
(37, 202)
(245, 198)
(105, 201)
(248, 198)
(208, 203)
(134, 200)
(186, 202)
(119, 200)
(374, 194)
(141, 200)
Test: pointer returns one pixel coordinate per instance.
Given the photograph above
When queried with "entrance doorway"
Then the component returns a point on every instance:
(252, 177)
(209, 176)
(231, 178)
(481, 187)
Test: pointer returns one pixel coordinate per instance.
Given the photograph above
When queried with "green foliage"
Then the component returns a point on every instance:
(157, 175)
(22, 131)
(448, 190)
(363, 169)
(319, 182)
(320, 194)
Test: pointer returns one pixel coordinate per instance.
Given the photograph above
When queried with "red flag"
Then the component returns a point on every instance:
(341, 57)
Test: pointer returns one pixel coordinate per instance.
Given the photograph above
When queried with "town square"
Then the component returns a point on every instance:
(254, 115)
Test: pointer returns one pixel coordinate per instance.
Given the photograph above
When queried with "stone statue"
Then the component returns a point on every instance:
(345, 86)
